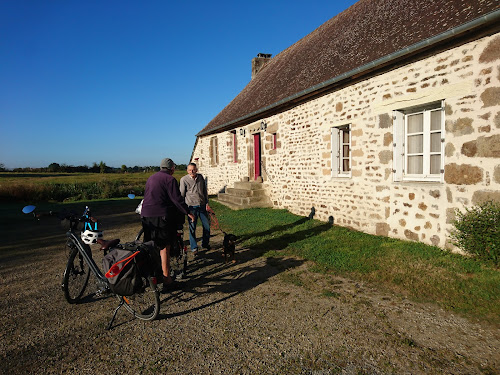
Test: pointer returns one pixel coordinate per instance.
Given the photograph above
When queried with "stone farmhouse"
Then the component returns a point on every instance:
(385, 119)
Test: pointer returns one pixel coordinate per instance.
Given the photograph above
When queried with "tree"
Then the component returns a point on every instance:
(102, 167)
(124, 168)
(54, 167)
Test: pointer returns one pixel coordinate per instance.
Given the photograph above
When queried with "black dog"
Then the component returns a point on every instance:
(229, 247)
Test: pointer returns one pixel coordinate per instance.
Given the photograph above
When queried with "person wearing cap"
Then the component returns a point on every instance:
(194, 190)
(161, 207)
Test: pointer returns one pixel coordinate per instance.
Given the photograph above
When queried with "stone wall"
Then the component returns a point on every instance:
(298, 172)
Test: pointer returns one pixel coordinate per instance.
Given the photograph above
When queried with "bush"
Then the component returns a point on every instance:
(477, 231)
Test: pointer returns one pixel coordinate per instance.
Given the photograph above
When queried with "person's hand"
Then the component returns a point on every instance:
(191, 217)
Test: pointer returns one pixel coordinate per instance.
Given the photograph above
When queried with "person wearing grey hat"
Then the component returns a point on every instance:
(161, 208)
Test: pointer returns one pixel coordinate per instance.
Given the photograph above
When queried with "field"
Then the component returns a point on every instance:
(63, 187)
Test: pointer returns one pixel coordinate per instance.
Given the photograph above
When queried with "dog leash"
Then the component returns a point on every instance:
(214, 222)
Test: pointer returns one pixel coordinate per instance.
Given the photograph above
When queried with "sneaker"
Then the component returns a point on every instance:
(195, 252)
(167, 288)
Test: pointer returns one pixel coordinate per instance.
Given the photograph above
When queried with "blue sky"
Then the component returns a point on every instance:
(130, 82)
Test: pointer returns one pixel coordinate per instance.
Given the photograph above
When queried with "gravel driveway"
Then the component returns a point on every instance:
(259, 316)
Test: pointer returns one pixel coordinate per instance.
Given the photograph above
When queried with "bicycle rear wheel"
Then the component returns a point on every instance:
(76, 275)
(145, 304)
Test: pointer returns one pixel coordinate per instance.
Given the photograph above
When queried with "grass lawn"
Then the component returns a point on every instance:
(420, 272)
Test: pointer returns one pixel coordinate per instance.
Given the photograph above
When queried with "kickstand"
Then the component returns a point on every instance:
(114, 314)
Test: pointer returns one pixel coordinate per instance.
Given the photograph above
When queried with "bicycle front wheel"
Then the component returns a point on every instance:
(145, 304)
(76, 276)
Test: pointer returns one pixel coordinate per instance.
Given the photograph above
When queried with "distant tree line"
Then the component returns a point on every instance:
(95, 168)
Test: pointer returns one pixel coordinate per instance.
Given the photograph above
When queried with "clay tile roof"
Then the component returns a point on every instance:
(367, 31)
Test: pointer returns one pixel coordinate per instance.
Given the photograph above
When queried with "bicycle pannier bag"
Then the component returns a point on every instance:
(123, 273)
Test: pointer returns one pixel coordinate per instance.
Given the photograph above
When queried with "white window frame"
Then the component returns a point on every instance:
(337, 136)
(400, 145)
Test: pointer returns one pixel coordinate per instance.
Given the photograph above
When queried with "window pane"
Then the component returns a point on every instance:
(345, 151)
(415, 144)
(345, 166)
(436, 120)
(415, 164)
(435, 164)
(415, 123)
(435, 142)
(345, 136)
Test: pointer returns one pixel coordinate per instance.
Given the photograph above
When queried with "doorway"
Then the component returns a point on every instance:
(256, 155)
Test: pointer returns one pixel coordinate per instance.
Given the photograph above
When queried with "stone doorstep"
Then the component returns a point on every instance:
(245, 192)
(240, 200)
(248, 185)
(244, 206)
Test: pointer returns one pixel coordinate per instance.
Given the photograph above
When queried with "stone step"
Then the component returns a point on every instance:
(244, 206)
(245, 192)
(248, 185)
(241, 200)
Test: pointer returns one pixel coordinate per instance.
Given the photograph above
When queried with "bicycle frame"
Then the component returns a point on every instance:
(84, 251)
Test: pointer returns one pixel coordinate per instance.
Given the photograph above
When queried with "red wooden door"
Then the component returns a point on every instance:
(256, 157)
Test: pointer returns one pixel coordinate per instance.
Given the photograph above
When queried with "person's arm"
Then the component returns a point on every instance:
(182, 187)
(205, 193)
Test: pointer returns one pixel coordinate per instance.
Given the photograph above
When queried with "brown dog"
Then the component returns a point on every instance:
(229, 246)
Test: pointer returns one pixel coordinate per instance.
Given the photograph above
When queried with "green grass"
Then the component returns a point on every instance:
(415, 270)
(40, 187)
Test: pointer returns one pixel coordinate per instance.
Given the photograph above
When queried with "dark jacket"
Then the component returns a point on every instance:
(162, 197)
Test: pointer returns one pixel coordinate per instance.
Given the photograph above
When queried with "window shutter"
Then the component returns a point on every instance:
(216, 150)
(335, 152)
(398, 145)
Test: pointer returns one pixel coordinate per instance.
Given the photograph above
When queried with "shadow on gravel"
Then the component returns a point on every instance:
(210, 275)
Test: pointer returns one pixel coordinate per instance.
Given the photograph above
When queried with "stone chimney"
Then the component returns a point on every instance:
(259, 62)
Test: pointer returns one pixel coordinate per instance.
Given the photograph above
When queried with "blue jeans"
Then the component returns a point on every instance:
(202, 213)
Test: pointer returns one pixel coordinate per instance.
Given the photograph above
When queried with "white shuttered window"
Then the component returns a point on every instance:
(419, 143)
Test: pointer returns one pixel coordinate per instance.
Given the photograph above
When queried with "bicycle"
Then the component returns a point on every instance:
(144, 304)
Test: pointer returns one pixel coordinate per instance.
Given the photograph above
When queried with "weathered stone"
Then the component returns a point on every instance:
(428, 225)
(449, 195)
(488, 147)
(422, 206)
(411, 235)
(461, 126)
(449, 149)
(450, 215)
(491, 52)
(382, 229)
(419, 216)
(496, 120)
(491, 96)
(485, 129)
(402, 222)
(387, 139)
(435, 193)
(448, 110)
(496, 174)
(435, 240)
(482, 196)
(385, 156)
(339, 106)
(385, 121)
(469, 149)
(463, 174)
(411, 196)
